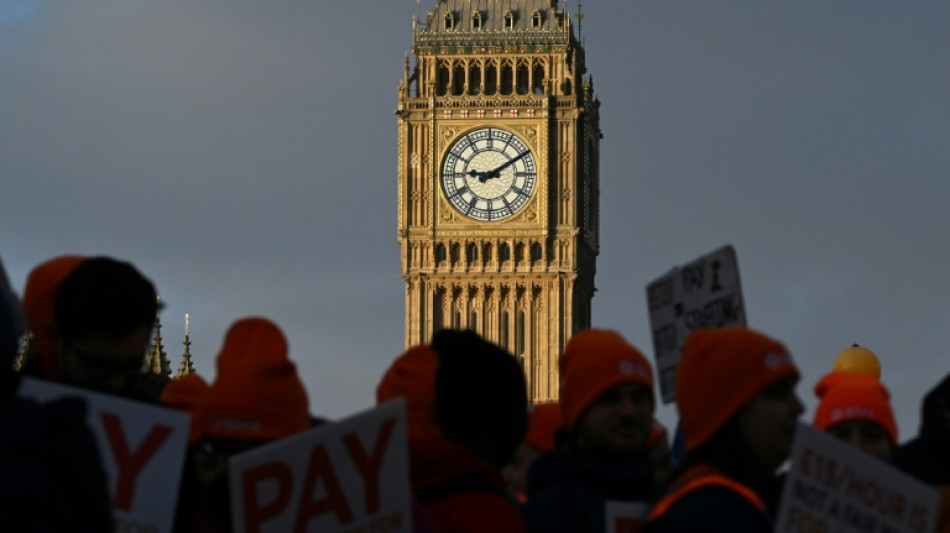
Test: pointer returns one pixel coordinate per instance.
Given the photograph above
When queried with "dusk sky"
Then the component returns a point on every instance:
(242, 153)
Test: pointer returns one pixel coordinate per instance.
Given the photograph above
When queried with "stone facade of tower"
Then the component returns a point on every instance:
(498, 136)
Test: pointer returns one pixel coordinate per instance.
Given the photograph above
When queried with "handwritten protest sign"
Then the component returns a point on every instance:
(143, 453)
(704, 293)
(351, 476)
(626, 517)
(835, 487)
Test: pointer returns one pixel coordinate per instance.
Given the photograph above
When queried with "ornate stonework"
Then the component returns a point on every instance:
(525, 280)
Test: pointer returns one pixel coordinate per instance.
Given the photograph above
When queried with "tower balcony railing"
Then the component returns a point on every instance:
(466, 38)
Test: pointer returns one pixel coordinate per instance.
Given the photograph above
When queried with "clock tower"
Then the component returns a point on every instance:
(498, 179)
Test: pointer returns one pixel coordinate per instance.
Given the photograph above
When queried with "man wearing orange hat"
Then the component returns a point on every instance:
(607, 402)
(735, 391)
(856, 408)
(98, 330)
(466, 403)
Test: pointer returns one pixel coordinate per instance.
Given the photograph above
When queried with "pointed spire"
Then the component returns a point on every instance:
(25, 341)
(157, 360)
(186, 366)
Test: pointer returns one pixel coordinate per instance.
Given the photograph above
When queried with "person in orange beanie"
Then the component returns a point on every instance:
(735, 390)
(856, 408)
(607, 401)
(544, 421)
(467, 411)
(256, 397)
(39, 302)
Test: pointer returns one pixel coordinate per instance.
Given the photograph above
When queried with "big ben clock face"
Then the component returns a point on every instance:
(489, 174)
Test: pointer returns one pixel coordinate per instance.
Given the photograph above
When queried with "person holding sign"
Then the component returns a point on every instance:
(257, 397)
(607, 400)
(466, 404)
(735, 390)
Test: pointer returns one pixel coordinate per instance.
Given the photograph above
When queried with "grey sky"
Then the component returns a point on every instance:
(243, 155)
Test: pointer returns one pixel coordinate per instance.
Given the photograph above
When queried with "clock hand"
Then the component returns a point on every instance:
(496, 173)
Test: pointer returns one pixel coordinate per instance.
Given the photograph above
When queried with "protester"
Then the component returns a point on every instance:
(51, 474)
(735, 391)
(607, 400)
(256, 397)
(927, 456)
(466, 408)
(856, 408)
(544, 421)
(103, 316)
(39, 301)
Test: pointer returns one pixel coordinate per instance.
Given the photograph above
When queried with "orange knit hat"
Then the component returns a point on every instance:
(719, 371)
(543, 423)
(412, 376)
(39, 302)
(848, 396)
(256, 393)
(187, 394)
(594, 361)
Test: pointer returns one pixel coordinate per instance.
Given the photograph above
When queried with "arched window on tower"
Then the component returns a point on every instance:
(474, 80)
(507, 79)
(509, 20)
(504, 253)
(491, 80)
(472, 252)
(536, 19)
(458, 80)
(537, 79)
(439, 253)
(536, 251)
(449, 21)
(442, 80)
(476, 20)
(522, 79)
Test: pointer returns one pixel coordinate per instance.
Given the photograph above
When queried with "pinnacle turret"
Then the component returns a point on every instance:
(186, 366)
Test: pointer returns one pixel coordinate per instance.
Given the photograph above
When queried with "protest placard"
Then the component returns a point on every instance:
(626, 517)
(351, 476)
(704, 293)
(143, 453)
(832, 486)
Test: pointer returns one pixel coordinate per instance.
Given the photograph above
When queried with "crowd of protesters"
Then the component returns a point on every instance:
(480, 458)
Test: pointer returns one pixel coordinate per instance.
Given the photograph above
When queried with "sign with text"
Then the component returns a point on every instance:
(626, 517)
(142, 448)
(704, 293)
(351, 476)
(833, 487)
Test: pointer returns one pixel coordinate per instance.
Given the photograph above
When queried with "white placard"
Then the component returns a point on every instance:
(704, 293)
(350, 476)
(833, 487)
(626, 517)
(142, 448)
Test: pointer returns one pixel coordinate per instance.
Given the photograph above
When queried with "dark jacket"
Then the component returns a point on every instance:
(51, 470)
(461, 492)
(569, 492)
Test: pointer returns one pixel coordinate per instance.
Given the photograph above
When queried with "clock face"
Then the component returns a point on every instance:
(489, 174)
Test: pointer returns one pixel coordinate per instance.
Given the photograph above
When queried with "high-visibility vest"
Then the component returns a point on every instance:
(702, 476)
